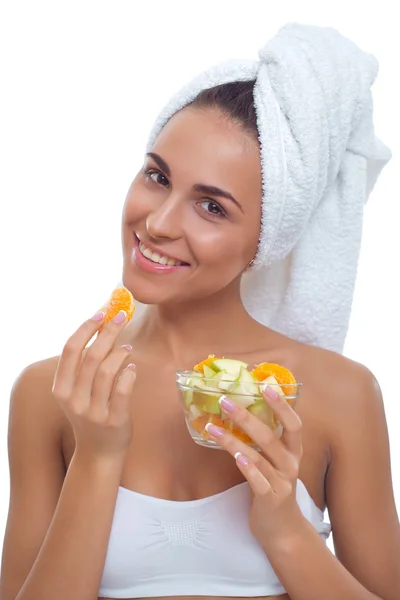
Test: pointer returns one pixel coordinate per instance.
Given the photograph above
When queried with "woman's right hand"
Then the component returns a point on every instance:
(94, 388)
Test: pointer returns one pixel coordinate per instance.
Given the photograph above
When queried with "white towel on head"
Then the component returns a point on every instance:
(320, 160)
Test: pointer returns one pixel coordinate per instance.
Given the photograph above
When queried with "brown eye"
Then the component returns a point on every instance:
(157, 177)
(213, 208)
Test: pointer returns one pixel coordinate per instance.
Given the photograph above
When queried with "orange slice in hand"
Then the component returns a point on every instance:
(281, 374)
(121, 299)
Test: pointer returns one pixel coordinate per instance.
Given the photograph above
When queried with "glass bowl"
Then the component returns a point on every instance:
(200, 406)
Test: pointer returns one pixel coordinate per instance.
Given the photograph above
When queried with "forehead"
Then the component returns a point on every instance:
(203, 146)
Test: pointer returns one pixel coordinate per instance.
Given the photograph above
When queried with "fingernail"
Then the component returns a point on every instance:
(127, 347)
(131, 366)
(227, 404)
(99, 316)
(214, 430)
(120, 317)
(241, 459)
(272, 394)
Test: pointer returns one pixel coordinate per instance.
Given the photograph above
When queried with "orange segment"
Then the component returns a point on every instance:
(121, 299)
(281, 374)
(200, 423)
(200, 367)
(241, 435)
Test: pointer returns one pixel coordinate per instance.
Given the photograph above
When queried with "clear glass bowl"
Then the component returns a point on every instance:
(200, 406)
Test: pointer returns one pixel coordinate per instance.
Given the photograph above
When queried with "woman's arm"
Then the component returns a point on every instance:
(57, 530)
(360, 501)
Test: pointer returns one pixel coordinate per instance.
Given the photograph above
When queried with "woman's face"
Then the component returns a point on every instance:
(197, 199)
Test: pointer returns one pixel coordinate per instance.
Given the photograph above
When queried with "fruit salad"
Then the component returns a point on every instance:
(203, 386)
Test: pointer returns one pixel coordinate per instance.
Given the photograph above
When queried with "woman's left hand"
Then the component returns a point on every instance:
(272, 473)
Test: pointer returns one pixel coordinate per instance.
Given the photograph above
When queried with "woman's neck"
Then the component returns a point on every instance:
(198, 328)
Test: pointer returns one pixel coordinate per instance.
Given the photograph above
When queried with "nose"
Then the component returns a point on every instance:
(165, 221)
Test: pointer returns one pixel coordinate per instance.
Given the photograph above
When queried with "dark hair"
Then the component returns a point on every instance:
(235, 100)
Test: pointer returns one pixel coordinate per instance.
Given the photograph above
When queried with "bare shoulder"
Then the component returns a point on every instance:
(342, 373)
(342, 391)
(32, 393)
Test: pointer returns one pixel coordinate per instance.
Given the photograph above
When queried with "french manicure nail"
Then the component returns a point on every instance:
(214, 430)
(241, 459)
(131, 366)
(227, 404)
(272, 394)
(127, 347)
(99, 316)
(120, 317)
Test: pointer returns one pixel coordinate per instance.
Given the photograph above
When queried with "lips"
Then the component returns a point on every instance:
(158, 255)
(149, 265)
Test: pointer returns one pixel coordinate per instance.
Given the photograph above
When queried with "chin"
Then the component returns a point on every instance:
(147, 292)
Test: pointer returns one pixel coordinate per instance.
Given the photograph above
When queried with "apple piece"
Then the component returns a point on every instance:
(228, 365)
(214, 381)
(188, 397)
(206, 402)
(248, 382)
(195, 412)
(263, 412)
(242, 396)
(210, 404)
(200, 384)
(274, 384)
(227, 382)
(208, 372)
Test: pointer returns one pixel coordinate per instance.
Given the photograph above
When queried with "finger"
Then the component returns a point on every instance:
(105, 378)
(234, 446)
(120, 399)
(97, 352)
(71, 356)
(262, 435)
(289, 419)
(257, 481)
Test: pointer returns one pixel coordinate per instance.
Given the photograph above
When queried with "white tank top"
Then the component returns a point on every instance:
(196, 548)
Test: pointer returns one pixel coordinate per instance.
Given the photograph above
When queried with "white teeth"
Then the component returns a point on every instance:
(158, 258)
(147, 253)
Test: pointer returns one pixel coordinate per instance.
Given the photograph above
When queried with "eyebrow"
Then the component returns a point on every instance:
(211, 190)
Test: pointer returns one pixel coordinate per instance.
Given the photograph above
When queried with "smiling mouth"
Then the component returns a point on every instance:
(156, 257)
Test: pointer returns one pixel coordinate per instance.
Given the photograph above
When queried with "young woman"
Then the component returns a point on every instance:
(111, 498)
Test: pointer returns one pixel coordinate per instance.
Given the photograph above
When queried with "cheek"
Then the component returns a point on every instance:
(136, 203)
(219, 246)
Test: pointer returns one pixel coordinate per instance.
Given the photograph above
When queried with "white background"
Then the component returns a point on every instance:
(81, 83)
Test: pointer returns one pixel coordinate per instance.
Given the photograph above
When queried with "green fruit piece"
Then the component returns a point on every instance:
(215, 379)
(195, 412)
(248, 382)
(221, 381)
(226, 382)
(207, 403)
(208, 372)
(274, 384)
(228, 365)
(188, 397)
(262, 411)
(241, 396)
(200, 384)
(211, 405)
